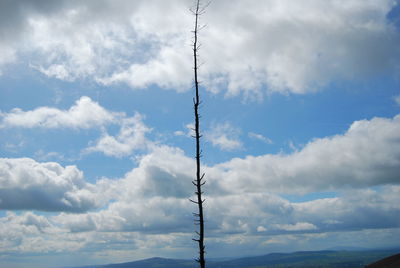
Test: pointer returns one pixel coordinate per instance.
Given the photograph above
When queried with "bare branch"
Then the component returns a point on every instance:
(193, 201)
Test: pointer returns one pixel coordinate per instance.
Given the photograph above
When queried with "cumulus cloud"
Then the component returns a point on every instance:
(14, 25)
(28, 185)
(242, 193)
(138, 210)
(31, 233)
(85, 113)
(291, 47)
(366, 155)
(368, 208)
(76, 222)
(252, 215)
(13, 228)
(107, 42)
(297, 47)
(152, 200)
(171, 69)
(165, 172)
(131, 137)
(225, 136)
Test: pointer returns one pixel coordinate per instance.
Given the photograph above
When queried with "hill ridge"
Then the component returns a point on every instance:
(298, 259)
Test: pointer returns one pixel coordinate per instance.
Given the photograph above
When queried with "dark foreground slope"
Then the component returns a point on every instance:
(306, 259)
(389, 262)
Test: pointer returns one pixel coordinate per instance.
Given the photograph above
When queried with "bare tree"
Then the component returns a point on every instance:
(199, 181)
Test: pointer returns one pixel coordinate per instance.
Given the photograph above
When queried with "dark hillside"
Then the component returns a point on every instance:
(389, 262)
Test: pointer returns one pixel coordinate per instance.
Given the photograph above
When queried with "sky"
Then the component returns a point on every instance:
(300, 122)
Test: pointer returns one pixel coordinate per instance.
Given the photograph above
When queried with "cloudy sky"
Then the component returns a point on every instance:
(300, 123)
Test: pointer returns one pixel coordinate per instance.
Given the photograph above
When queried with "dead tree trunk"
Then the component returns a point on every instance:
(199, 181)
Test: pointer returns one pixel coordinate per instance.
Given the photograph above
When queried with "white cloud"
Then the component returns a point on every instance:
(292, 47)
(136, 45)
(151, 202)
(243, 217)
(76, 222)
(368, 208)
(259, 137)
(7, 56)
(30, 219)
(31, 233)
(55, 70)
(179, 133)
(261, 229)
(397, 99)
(163, 172)
(296, 47)
(85, 113)
(225, 136)
(366, 155)
(28, 185)
(170, 69)
(131, 137)
(153, 197)
(299, 226)
(189, 131)
(137, 209)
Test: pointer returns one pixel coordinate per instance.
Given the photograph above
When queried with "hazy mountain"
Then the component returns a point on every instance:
(306, 259)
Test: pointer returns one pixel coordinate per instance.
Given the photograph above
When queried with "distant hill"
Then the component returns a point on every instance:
(306, 259)
(150, 263)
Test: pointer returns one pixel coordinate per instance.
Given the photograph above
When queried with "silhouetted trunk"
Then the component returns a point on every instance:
(198, 182)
